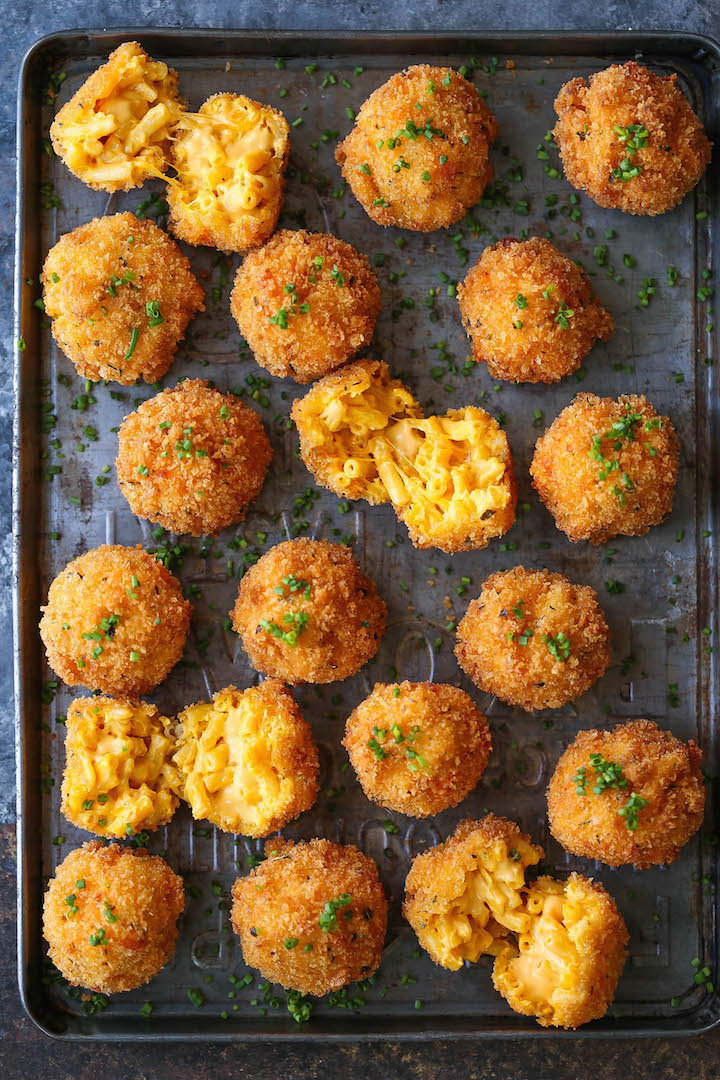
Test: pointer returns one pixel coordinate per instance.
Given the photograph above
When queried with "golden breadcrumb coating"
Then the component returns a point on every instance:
(530, 311)
(533, 639)
(630, 139)
(115, 621)
(607, 468)
(417, 748)
(650, 798)
(312, 917)
(109, 916)
(307, 613)
(305, 303)
(192, 459)
(419, 168)
(120, 294)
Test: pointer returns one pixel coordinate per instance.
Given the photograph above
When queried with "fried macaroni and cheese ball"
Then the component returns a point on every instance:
(630, 139)
(110, 916)
(115, 621)
(120, 294)
(449, 478)
(115, 131)
(230, 159)
(417, 156)
(607, 468)
(312, 917)
(192, 459)
(119, 779)
(632, 795)
(417, 748)
(307, 613)
(530, 312)
(305, 303)
(533, 639)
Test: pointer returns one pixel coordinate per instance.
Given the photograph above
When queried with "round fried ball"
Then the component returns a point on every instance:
(192, 459)
(305, 303)
(534, 639)
(307, 613)
(631, 795)
(419, 168)
(115, 621)
(630, 139)
(109, 916)
(120, 294)
(530, 312)
(312, 917)
(607, 468)
(417, 748)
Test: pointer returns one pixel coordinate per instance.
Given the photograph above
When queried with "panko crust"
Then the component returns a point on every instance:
(446, 173)
(201, 489)
(568, 476)
(520, 333)
(674, 158)
(659, 768)
(434, 749)
(95, 312)
(521, 669)
(283, 900)
(142, 893)
(340, 320)
(140, 629)
(346, 617)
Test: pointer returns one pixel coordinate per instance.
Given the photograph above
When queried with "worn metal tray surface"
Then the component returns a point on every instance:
(663, 665)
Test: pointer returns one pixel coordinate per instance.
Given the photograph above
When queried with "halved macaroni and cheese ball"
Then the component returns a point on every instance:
(230, 159)
(533, 639)
(417, 156)
(607, 468)
(305, 303)
(631, 795)
(192, 459)
(120, 294)
(110, 916)
(417, 748)
(115, 621)
(530, 311)
(312, 917)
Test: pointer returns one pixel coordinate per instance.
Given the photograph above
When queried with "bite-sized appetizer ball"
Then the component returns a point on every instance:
(417, 156)
(305, 303)
(631, 795)
(192, 459)
(109, 916)
(417, 748)
(630, 139)
(607, 468)
(120, 294)
(119, 779)
(312, 917)
(307, 613)
(530, 311)
(115, 621)
(115, 131)
(230, 159)
(533, 639)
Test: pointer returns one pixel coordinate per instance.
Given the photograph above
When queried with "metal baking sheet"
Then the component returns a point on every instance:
(663, 664)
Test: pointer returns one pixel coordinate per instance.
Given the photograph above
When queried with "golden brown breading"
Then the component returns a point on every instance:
(109, 916)
(659, 777)
(530, 311)
(607, 468)
(657, 156)
(419, 168)
(305, 303)
(120, 294)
